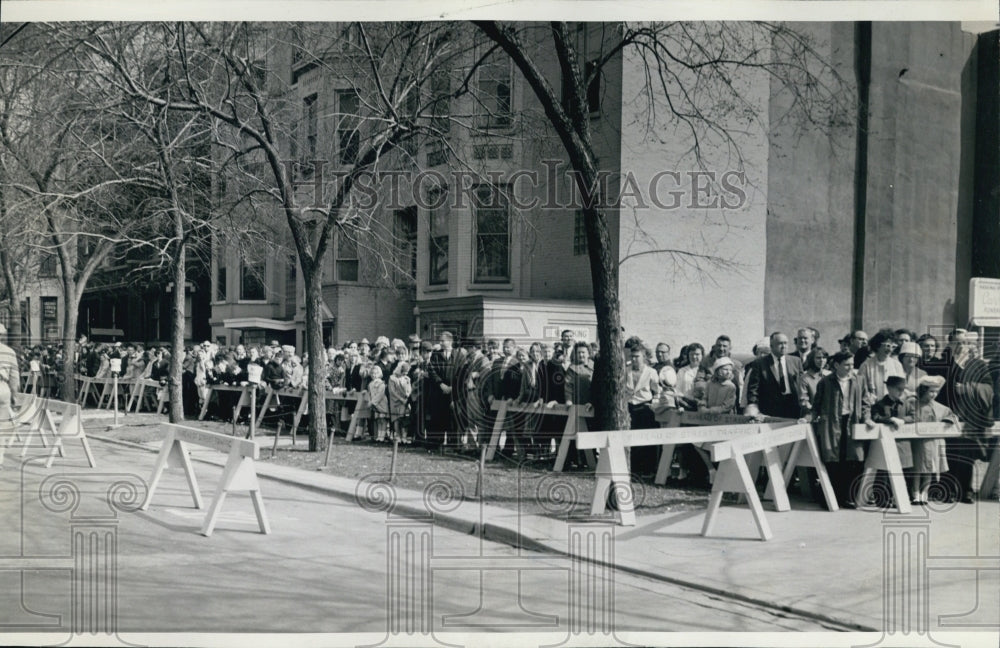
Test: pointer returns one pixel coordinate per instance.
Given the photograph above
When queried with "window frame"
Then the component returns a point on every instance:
(438, 245)
(244, 266)
(496, 193)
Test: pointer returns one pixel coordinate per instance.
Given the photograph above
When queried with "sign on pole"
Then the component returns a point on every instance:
(984, 301)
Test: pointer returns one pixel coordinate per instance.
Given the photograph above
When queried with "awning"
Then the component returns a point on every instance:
(259, 323)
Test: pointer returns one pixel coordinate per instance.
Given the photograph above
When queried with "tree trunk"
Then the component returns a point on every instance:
(317, 358)
(177, 330)
(608, 395)
(71, 315)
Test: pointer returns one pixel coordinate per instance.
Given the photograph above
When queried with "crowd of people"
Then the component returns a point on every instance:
(441, 393)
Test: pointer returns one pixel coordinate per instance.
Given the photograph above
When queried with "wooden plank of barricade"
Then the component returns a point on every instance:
(734, 473)
(69, 428)
(576, 416)
(724, 426)
(336, 396)
(239, 473)
(501, 407)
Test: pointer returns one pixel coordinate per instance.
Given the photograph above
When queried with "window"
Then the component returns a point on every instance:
(494, 93)
(310, 118)
(50, 318)
(220, 282)
(437, 273)
(252, 286)
(348, 138)
(406, 234)
(579, 235)
(47, 267)
(350, 38)
(492, 234)
(347, 256)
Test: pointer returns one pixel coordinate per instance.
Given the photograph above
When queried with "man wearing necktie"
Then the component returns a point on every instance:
(775, 388)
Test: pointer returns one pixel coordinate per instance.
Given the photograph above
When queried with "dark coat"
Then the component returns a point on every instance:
(766, 392)
(826, 419)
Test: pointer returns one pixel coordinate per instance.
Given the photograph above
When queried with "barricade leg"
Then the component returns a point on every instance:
(497, 431)
(882, 455)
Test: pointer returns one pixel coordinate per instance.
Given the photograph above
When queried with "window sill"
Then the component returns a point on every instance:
(436, 289)
(490, 286)
(252, 301)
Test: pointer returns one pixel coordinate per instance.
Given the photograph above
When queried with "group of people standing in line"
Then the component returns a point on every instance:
(442, 394)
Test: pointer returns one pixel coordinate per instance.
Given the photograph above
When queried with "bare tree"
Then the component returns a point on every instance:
(233, 74)
(690, 73)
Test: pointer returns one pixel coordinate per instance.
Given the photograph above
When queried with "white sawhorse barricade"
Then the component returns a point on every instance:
(244, 390)
(576, 416)
(271, 394)
(361, 411)
(883, 455)
(734, 474)
(239, 473)
(37, 414)
(718, 427)
(137, 394)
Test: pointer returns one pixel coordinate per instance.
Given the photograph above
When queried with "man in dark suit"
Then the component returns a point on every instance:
(774, 387)
(439, 386)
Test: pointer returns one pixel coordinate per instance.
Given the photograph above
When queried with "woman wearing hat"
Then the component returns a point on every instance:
(929, 459)
(909, 358)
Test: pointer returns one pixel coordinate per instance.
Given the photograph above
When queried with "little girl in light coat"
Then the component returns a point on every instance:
(379, 403)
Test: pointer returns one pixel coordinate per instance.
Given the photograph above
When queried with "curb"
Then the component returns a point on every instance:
(511, 537)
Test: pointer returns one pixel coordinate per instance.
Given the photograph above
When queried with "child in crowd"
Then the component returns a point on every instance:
(379, 403)
(929, 459)
(891, 410)
(720, 391)
(399, 394)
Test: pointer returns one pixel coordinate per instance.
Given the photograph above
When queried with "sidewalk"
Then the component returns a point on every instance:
(829, 566)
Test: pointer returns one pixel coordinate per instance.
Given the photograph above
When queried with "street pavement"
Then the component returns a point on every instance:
(327, 567)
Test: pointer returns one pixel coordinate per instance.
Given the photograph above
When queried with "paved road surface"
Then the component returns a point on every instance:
(323, 569)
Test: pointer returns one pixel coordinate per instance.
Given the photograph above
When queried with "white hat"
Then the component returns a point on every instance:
(909, 348)
(720, 363)
(288, 349)
(932, 381)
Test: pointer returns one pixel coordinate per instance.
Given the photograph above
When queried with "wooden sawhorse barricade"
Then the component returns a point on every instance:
(83, 388)
(271, 394)
(883, 455)
(245, 396)
(576, 416)
(722, 427)
(238, 475)
(362, 410)
(734, 474)
(37, 414)
(137, 394)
